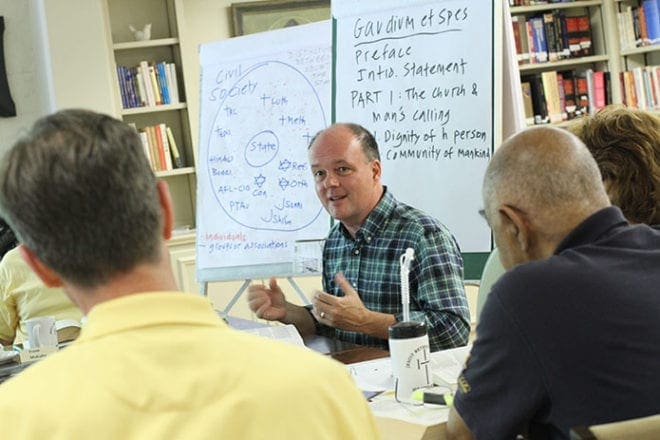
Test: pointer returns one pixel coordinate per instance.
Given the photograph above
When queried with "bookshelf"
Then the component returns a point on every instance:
(639, 51)
(605, 55)
(163, 46)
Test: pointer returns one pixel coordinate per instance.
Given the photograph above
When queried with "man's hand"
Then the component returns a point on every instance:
(346, 313)
(267, 302)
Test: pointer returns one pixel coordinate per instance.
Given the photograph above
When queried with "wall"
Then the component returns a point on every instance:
(25, 59)
(82, 63)
(203, 21)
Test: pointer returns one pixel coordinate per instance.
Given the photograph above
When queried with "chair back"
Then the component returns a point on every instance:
(644, 428)
(493, 270)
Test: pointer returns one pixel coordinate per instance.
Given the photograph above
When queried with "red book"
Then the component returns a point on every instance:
(599, 90)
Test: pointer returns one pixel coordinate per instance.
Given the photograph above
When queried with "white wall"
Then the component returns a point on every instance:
(25, 64)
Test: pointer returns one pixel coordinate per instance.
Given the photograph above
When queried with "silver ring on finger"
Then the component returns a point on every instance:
(322, 315)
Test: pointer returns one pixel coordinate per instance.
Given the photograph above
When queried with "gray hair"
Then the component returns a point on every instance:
(546, 172)
(79, 192)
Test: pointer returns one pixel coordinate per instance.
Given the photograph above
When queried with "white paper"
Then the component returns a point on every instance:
(285, 333)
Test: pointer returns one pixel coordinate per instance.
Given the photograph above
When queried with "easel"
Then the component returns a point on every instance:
(204, 286)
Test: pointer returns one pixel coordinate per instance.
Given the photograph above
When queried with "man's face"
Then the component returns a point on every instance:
(347, 183)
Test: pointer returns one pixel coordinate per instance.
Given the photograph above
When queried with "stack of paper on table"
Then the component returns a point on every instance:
(396, 420)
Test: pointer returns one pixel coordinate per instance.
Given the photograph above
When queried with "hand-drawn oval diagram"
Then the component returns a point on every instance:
(257, 151)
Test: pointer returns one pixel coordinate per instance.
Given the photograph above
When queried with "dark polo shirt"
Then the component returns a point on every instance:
(571, 340)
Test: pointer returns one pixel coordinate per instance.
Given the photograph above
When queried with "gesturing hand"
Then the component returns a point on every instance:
(346, 313)
(267, 302)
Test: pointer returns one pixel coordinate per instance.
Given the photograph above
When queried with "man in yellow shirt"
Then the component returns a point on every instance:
(24, 296)
(150, 362)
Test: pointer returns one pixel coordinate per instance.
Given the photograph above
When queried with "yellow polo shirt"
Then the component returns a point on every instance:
(24, 296)
(164, 366)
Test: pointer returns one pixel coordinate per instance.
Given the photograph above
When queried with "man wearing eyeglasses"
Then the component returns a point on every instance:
(569, 334)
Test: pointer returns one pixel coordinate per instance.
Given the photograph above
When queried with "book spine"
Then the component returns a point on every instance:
(550, 37)
(145, 147)
(139, 81)
(162, 134)
(640, 93)
(599, 90)
(122, 87)
(562, 96)
(652, 13)
(648, 89)
(176, 156)
(144, 72)
(643, 30)
(153, 148)
(584, 28)
(161, 149)
(175, 84)
(526, 89)
(569, 94)
(638, 37)
(530, 42)
(162, 82)
(551, 92)
(538, 98)
(540, 42)
(573, 36)
(582, 95)
(154, 86)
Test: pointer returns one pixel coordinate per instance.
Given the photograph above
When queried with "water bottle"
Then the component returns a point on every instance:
(411, 357)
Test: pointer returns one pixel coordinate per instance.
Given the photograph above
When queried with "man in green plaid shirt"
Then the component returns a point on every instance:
(361, 272)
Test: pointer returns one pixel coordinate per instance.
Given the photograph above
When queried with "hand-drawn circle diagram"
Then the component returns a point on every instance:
(257, 151)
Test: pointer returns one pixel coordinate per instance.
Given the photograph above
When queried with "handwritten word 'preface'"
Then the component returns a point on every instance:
(385, 53)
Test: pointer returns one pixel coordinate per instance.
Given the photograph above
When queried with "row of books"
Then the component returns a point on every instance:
(148, 84)
(639, 26)
(551, 36)
(160, 147)
(552, 97)
(640, 87)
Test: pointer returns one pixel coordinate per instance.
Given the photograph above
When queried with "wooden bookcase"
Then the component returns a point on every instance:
(164, 45)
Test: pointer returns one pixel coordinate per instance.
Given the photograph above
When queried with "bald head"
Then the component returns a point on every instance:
(548, 174)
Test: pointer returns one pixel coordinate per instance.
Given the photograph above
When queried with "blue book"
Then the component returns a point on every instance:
(122, 87)
(652, 20)
(540, 41)
(162, 83)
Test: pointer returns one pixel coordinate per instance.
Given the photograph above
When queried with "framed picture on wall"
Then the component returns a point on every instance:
(262, 16)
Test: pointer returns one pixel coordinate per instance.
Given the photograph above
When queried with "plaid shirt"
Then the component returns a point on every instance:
(370, 263)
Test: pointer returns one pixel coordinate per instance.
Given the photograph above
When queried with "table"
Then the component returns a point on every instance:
(342, 351)
(9, 369)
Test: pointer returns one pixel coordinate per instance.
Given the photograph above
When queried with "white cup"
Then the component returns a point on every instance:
(411, 359)
(41, 332)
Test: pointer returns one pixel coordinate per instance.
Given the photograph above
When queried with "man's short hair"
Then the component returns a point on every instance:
(545, 171)
(79, 192)
(363, 136)
(626, 145)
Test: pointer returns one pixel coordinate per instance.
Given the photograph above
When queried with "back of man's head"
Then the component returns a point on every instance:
(79, 192)
(548, 174)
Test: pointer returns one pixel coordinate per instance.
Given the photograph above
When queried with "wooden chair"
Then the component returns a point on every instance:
(645, 428)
